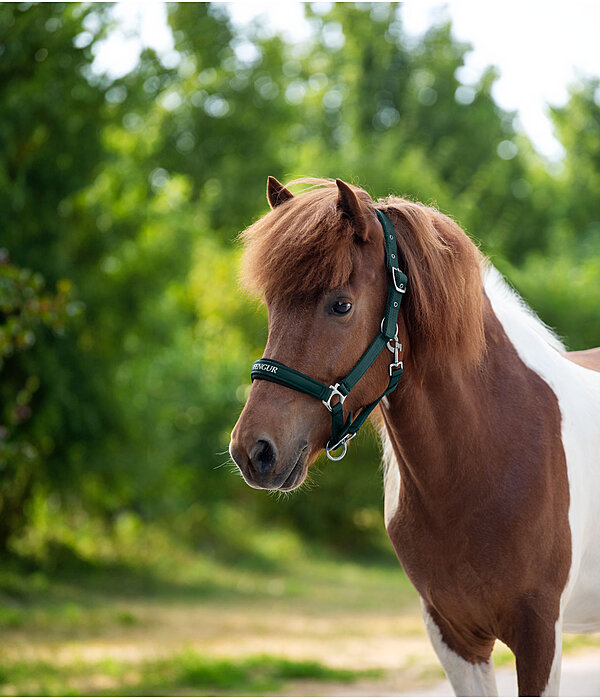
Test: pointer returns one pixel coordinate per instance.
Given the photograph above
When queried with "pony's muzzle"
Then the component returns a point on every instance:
(262, 465)
(256, 460)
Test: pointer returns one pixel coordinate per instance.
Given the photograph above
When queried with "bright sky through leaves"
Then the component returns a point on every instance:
(539, 50)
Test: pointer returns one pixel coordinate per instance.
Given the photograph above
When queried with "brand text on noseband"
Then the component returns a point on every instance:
(265, 368)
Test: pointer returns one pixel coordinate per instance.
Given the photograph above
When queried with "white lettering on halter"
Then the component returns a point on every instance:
(264, 367)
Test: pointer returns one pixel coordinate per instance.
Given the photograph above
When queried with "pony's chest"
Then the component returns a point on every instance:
(444, 567)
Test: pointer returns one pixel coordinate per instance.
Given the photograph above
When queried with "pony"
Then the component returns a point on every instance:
(491, 438)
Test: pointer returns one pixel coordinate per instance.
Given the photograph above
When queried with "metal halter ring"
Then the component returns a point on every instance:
(335, 391)
(336, 459)
(395, 334)
(343, 443)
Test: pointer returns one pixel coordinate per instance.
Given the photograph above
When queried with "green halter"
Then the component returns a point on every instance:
(343, 431)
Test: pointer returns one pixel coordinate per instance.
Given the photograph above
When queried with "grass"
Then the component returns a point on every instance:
(183, 673)
(575, 642)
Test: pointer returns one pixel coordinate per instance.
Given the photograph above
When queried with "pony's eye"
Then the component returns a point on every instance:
(341, 307)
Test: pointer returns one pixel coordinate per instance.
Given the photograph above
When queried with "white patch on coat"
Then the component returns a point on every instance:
(467, 679)
(391, 478)
(578, 392)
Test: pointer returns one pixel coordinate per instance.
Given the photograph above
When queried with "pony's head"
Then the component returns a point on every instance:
(317, 260)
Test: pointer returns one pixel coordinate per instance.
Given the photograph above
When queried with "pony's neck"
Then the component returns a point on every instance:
(440, 426)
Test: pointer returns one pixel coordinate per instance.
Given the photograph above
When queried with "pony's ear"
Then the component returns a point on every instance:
(349, 206)
(276, 192)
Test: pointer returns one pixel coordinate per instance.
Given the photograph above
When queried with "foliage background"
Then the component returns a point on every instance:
(125, 345)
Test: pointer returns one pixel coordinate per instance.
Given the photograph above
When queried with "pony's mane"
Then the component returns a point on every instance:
(508, 303)
(304, 247)
(444, 302)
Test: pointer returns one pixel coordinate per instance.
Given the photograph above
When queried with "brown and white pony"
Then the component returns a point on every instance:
(491, 441)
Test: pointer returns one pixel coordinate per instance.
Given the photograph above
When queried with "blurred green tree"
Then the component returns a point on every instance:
(24, 313)
(562, 280)
(82, 201)
(50, 146)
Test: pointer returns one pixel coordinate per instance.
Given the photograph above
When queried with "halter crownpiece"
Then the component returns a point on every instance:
(343, 431)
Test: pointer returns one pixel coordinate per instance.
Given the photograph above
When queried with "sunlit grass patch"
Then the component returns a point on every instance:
(575, 642)
(251, 675)
(187, 672)
(502, 655)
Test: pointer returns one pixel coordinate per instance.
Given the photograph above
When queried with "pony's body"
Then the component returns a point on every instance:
(515, 526)
(491, 440)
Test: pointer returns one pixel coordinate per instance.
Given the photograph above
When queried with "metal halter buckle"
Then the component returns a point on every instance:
(344, 443)
(400, 287)
(335, 391)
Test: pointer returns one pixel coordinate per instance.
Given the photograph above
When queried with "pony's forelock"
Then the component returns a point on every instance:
(304, 247)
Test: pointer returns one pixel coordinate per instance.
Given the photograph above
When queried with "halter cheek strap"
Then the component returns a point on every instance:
(343, 431)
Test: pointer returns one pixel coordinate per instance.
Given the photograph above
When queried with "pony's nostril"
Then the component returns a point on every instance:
(263, 455)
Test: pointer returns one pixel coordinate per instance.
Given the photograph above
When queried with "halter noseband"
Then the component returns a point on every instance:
(343, 431)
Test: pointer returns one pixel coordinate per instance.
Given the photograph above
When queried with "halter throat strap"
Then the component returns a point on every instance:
(343, 431)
